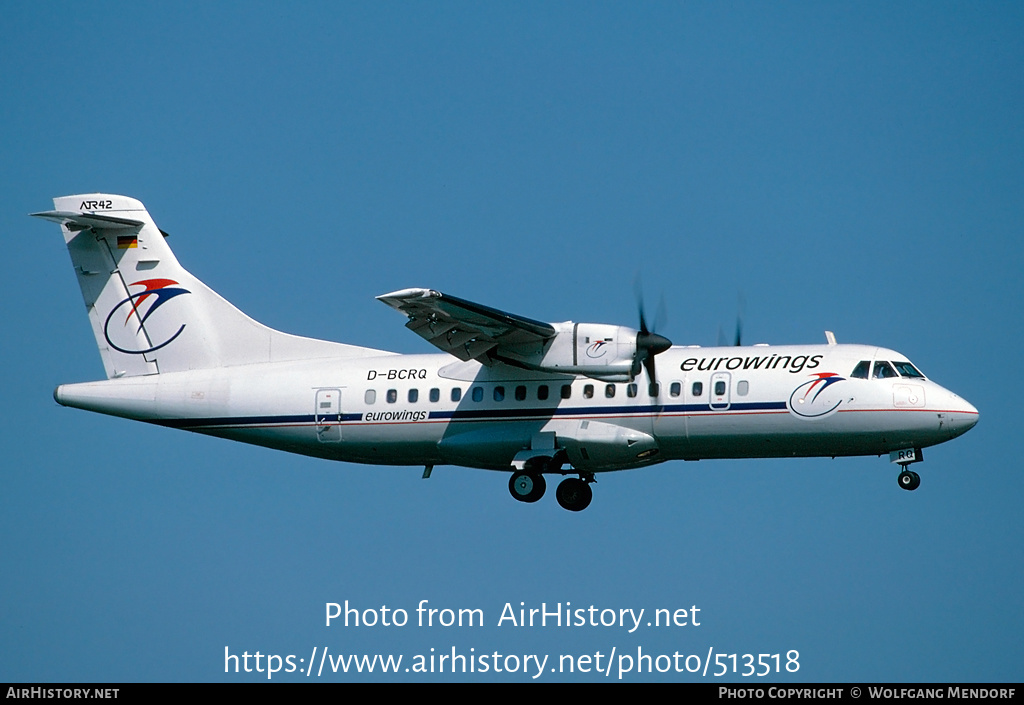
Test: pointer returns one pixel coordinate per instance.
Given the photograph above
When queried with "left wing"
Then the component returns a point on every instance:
(467, 330)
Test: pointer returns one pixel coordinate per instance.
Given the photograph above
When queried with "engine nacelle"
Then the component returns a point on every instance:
(597, 350)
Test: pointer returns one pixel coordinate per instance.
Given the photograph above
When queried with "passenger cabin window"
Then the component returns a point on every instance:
(630, 390)
(720, 388)
(392, 396)
(435, 394)
(521, 393)
(883, 370)
(414, 396)
(861, 370)
(675, 389)
(566, 391)
(370, 396)
(499, 394)
(542, 392)
(653, 389)
(588, 391)
(478, 393)
(456, 393)
(609, 390)
(697, 389)
(742, 388)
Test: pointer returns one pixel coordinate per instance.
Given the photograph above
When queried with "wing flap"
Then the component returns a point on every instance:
(465, 329)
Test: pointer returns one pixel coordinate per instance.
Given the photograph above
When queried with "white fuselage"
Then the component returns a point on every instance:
(737, 402)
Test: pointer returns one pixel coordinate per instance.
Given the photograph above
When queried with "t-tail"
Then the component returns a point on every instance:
(149, 315)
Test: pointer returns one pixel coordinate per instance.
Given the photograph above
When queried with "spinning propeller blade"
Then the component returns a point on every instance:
(648, 343)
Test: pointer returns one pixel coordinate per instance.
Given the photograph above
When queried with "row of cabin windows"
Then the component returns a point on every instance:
(881, 370)
(498, 393)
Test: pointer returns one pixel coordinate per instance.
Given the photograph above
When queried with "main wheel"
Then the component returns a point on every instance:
(526, 486)
(574, 494)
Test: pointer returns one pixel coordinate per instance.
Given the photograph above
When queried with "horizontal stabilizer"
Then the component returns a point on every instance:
(81, 221)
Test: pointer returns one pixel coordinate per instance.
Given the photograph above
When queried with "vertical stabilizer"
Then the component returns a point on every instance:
(149, 315)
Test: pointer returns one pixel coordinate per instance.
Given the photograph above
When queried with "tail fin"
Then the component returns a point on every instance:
(149, 315)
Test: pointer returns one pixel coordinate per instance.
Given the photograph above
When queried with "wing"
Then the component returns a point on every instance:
(467, 330)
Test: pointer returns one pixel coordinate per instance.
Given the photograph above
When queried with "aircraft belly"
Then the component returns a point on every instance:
(782, 434)
(587, 443)
(493, 444)
(355, 446)
(411, 443)
(488, 445)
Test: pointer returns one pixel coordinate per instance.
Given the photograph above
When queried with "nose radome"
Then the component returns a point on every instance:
(962, 415)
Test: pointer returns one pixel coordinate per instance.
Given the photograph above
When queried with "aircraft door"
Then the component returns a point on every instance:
(719, 392)
(327, 415)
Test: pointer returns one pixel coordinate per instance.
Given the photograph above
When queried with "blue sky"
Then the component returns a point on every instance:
(856, 168)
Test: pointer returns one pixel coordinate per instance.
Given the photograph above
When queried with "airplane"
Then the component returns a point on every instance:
(506, 393)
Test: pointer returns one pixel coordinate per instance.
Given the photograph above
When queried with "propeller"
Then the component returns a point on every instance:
(738, 340)
(648, 343)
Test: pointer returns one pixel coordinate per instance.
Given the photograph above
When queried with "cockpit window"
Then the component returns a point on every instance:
(907, 370)
(883, 370)
(861, 370)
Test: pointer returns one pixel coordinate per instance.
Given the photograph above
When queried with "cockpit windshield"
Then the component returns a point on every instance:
(907, 370)
(885, 370)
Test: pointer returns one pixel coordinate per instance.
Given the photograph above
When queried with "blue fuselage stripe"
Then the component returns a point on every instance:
(498, 414)
(475, 414)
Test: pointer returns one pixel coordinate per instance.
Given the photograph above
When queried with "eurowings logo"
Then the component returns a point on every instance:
(815, 398)
(598, 348)
(134, 336)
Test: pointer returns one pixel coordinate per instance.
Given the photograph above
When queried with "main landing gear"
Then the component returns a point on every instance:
(572, 493)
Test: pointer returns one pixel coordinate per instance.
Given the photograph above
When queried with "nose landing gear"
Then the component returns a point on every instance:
(908, 479)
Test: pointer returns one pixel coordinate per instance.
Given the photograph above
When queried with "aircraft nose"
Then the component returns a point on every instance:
(962, 416)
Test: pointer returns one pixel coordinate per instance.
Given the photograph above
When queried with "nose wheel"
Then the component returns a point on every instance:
(909, 480)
